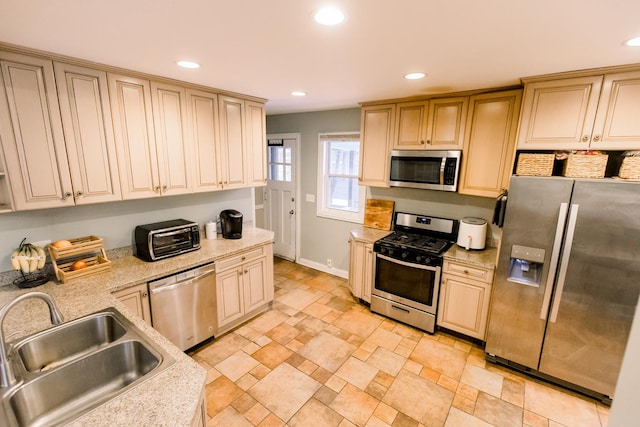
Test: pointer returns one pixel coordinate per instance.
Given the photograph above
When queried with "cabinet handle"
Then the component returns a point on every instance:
(243, 258)
(466, 271)
(79, 193)
(145, 294)
(596, 138)
(585, 138)
(157, 189)
(65, 195)
(164, 188)
(246, 271)
(422, 142)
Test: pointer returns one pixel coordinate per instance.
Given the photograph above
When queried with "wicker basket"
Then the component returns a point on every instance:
(585, 165)
(630, 168)
(535, 164)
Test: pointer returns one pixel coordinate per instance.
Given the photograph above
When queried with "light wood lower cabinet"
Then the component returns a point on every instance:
(465, 293)
(244, 285)
(136, 299)
(361, 269)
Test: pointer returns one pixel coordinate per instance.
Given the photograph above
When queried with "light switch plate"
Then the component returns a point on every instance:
(311, 198)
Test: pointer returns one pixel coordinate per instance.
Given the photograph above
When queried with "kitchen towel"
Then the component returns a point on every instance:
(501, 206)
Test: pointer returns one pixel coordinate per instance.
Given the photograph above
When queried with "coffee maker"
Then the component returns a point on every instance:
(231, 224)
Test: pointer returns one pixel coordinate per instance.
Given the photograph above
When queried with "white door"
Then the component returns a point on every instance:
(280, 194)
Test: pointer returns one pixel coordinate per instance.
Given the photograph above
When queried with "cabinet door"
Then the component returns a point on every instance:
(172, 147)
(136, 299)
(31, 133)
(204, 128)
(445, 126)
(356, 267)
(617, 125)
(489, 143)
(88, 131)
(233, 139)
(135, 136)
(230, 295)
(559, 114)
(254, 278)
(376, 136)
(411, 125)
(464, 306)
(256, 144)
(368, 273)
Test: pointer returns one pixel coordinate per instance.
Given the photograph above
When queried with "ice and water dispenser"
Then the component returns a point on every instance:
(526, 265)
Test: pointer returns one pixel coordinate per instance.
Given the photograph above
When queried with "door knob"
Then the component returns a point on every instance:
(291, 212)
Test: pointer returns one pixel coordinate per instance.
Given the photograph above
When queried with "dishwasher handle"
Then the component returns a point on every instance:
(184, 282)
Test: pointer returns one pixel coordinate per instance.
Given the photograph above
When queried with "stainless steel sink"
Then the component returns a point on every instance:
(74, 367)
(69, 341)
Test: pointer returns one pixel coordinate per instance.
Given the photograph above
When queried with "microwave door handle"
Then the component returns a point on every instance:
(442, 165)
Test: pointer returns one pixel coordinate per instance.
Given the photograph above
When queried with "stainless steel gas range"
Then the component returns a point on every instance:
(408, 265)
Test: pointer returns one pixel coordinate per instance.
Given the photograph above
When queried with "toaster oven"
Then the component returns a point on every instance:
(166, 239)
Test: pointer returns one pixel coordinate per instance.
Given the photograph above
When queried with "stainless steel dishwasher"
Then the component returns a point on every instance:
(183, 306)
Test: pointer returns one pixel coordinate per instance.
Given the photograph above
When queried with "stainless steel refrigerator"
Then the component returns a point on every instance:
(567, 280)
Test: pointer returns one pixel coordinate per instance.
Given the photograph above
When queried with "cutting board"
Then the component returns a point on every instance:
(378, 214)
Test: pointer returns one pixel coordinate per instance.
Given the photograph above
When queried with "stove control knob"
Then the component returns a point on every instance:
(418, 258)
(427, 260)
(405, 255)
(383, 250)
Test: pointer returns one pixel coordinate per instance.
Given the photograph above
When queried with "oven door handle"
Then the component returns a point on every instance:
(408, 264)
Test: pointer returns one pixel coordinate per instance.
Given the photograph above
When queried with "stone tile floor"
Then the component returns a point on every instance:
(321, 358)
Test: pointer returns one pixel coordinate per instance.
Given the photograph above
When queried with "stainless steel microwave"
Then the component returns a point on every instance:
(166, 239)
(426, 169)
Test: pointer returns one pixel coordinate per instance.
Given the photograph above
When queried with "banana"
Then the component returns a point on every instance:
(33, 262)
(42, 257)
(15, 262)
(25, 265)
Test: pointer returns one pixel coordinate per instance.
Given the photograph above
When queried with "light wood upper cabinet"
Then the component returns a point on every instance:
(617, 124)
(436, 124)
(559, 114)
(489, 143)
(411, 125)
(172, 146)
(376, 140)
(204, 128)
(88, 131)
(233, 142)
(31, 133)
(135, 136)
(256, 143)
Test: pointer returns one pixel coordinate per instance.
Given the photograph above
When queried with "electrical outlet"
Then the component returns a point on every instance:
(41, 243)
(329, 262)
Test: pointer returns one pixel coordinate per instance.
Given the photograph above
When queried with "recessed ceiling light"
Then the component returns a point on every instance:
(635, 42)
(188, 64)
(328, 16)
(298, 93)
(414, 76)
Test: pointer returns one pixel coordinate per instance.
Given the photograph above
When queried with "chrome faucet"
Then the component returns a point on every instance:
(7, 376)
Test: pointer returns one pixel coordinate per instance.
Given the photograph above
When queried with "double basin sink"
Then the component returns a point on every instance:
(69, 369)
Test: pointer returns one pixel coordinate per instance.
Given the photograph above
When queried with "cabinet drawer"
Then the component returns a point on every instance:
(235, 260)
(466, 270)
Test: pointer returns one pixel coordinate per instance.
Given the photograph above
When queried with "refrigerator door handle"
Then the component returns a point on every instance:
(564, 263)
(555, 256)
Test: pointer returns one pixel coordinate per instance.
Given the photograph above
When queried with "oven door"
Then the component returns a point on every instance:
(414, 285)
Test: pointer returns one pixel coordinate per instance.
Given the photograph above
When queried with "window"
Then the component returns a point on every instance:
(340, 196)
(279, 161)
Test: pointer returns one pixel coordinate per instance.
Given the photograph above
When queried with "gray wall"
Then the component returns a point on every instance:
(114, 222)
(320, 238)
(323, 238)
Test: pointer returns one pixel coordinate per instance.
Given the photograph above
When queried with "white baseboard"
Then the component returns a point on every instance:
(321, 267)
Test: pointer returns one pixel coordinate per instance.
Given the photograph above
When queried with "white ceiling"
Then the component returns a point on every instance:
(268, 48)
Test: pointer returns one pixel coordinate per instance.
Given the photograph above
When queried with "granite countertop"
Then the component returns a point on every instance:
(171, 397)
(485, 258)
(369, 235)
